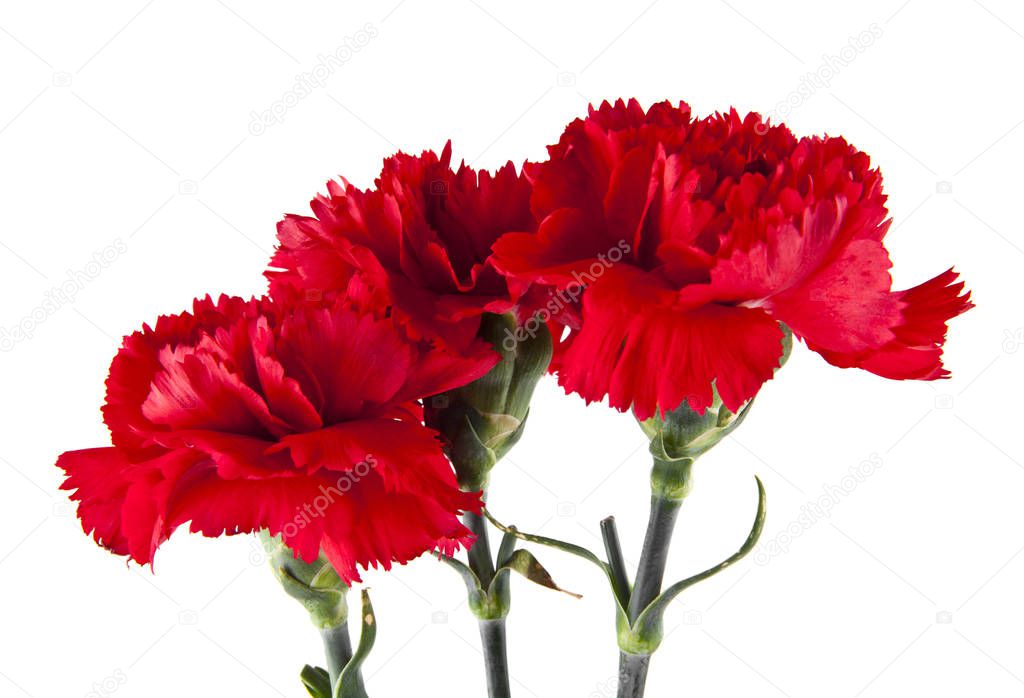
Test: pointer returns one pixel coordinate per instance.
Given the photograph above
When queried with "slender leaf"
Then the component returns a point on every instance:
(648, 625)
(506, 548)
(523, 562)
(350, 684)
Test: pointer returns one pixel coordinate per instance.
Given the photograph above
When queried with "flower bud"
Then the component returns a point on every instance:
(316, 585)
(481, 421)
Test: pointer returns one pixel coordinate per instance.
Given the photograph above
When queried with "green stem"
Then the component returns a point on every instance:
(651, 571)
(492, 630)
(492, 636)
(649, 577)
(480, 560)
(633, 674)
(338, 648)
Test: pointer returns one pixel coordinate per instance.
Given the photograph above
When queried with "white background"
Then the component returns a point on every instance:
(127, 124)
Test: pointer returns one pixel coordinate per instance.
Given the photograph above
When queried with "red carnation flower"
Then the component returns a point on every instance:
(694, 240)
(419, 243)
(245, 415)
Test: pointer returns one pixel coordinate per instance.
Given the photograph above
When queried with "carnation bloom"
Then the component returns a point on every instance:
(695, 239)
(419, 243)
(299, 419)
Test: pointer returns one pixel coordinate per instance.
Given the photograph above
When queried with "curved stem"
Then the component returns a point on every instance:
(492, 636)
(632, 674)
(651, 571)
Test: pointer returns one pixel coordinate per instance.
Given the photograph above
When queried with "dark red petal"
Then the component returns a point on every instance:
(137, 362)
(353, 362)
(283, 394)
(631, 190)
(562, 250)
(195, 391)
(406, 455)
(235, 455)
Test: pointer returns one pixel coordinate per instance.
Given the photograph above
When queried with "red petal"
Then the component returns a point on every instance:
(642, 351)
(916, 351)
(100, 478)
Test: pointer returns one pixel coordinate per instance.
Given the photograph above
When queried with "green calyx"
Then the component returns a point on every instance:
(491, 601)
(315, 585)
(679, 437)
(481, 421)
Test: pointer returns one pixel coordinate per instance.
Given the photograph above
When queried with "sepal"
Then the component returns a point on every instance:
(681, 436)
(350, 681)
(316, 681)
(317, 586)
(495, 601)
(481, 421)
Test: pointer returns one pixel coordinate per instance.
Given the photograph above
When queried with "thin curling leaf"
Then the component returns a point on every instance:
(647, 631)
(350, 683)
(523, 562)
(572, 548)
(577, 550)
(316, 681)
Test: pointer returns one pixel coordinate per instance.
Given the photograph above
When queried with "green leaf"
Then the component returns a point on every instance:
(647, 631)
(350, 684)
(572, 548)
(317, 681)
(478, 600)
(505, 550)
(523, 562)
(577, 550)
